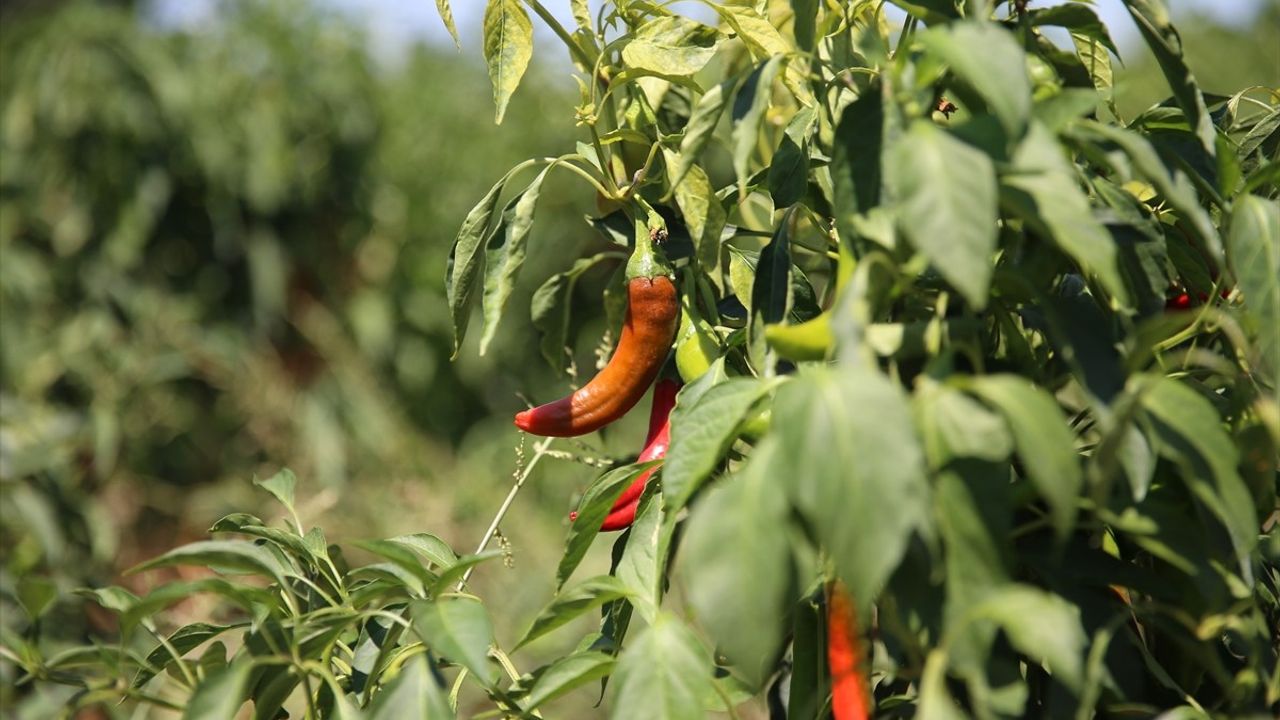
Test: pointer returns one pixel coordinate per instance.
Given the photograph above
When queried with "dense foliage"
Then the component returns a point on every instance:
(958, 333)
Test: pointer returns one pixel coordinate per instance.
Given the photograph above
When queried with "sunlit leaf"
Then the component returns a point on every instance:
(508, 45)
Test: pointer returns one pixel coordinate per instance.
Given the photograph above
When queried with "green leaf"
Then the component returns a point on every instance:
(1041, 189)
(1176, 188)
(644, 558)
(226, 556)
(857, 162)
(1079, 19)
(854, 467)
(183, 640)
(736, 558)
(281, 485)
(703, 120)
(428, 546)
(1097, 62)
(771, 295)
(762, 39)
(550, 307)
(1041, 625)
(458, 629)
(446, 16)
(572, 603)
(671, 46)
(508, 45)
(748, 113)
(664, 674)
(464, 262)
(805, 15)
(581, 13)
(789, 170)
(36, 594)
(401, 556)
(946, 205)
(703, 212)
(413, 693)
(997, 72)
(702, 431)
(222, 693)
(1187, 429)
(1152, 20)
(1043, 440)
(504, 256)
(565, 675)
(592, 510)
(955, 426)
(1253, 245)
(451, 574)
(810, 681)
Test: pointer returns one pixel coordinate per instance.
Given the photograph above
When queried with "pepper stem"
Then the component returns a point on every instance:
(648, 260)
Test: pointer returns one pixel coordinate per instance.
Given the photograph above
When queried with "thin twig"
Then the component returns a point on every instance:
(538, 452)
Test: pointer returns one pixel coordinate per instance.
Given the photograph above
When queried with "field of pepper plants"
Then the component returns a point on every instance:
(909, 374)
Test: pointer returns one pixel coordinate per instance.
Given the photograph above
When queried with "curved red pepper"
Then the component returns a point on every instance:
(653, 311)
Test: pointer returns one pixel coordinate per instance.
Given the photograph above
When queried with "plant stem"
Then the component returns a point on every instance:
(539, 451)
(575, 49)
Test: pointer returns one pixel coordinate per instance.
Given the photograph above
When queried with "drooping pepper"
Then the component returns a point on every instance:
(623, 512)
(653, 312)
(850, 695)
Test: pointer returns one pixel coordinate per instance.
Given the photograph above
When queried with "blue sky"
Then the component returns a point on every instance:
(395, 24)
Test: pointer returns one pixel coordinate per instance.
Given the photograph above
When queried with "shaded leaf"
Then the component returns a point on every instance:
(221, 694)
(572, 603)
(413, 693)
(998, 73)
(664, 674)
(1254, 247)
(735, 559)
(847, 444)
(457, 628)
(1043, 440)
(946, 206)
(1042, 190)
(701, 432)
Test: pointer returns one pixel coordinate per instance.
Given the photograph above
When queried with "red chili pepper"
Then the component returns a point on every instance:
(623, 512)
(850, 695)
(653, 313)
(1180, 302)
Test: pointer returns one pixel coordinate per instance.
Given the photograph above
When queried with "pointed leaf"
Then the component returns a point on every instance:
(848, 443)
(1254, 246)
(664, 674)
(413, 693)
(508, 45)
(701, 433)
(946, 195)
(1043, 440)
(458, 629)
(505, 254)
(572, 603)
(735, 559)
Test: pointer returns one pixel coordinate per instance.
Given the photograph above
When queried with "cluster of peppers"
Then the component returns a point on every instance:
(648, 330)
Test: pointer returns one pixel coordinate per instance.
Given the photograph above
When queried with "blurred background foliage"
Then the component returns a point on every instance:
(222, 252)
